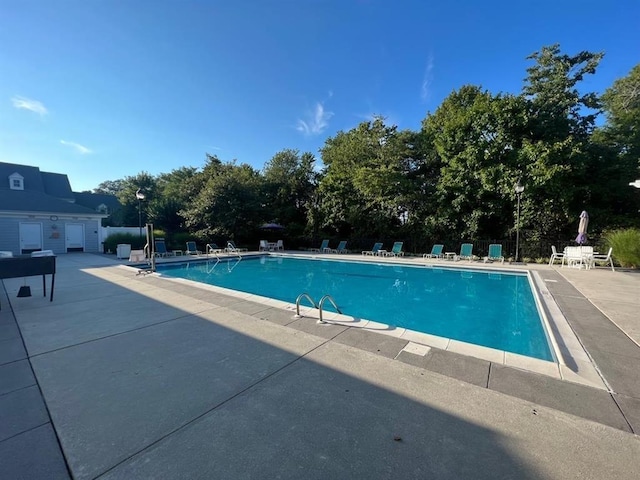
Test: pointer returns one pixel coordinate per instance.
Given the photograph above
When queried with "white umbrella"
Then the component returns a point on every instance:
(582, 228)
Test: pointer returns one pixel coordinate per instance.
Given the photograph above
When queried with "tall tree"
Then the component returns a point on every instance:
(229, 204)
(290, 183)
(556, 153)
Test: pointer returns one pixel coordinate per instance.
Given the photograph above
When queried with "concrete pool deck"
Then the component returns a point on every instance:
(126, 376)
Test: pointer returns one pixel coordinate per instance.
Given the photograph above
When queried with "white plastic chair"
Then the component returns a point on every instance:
(556, 256)
(603, 259)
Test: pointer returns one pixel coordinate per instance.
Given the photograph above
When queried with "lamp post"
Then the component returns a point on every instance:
(139, 196)
(519, 189)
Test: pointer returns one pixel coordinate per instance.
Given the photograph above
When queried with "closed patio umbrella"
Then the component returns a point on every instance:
(582, 228)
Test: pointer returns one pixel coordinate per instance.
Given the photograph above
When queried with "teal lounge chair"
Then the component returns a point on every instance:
(436, 252)
(324, 246)
(495, 253)
(341, 248)
(466, 252)
(192, 249)
(396, 250)
(374, 251)
(161, 248)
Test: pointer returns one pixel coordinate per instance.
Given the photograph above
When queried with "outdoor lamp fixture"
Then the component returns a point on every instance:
(635, 184)
(518, 189)
(139, 196)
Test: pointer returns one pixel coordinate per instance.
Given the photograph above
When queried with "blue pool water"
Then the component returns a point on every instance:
(496, 310)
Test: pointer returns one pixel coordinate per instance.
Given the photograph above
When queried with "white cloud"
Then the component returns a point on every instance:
(28, 104)
(316, 121)
(81, 149)
(427, 79)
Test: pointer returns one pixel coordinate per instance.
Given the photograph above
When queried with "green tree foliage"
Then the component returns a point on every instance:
(621, 104)
(290, 183)
(147, 184)
(366, 184)
(229, 204)
(557, 155)
(477, 137)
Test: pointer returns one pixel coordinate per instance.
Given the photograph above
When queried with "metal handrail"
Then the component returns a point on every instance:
(300, 297)
(330, 298)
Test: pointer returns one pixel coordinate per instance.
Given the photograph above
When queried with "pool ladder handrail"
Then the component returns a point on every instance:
(315, 305)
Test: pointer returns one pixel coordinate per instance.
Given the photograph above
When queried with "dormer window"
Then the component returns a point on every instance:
(102, 208)
(16, 181)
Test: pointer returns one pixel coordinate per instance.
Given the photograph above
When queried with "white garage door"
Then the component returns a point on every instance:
(30, 237)
(75, 237)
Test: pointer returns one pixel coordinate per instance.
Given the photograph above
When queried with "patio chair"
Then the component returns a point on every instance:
(341, 248)
(396, 250)
(231, 248)
(600, 258)
(436, 252)
(324, 247)
(280, 245)
(161, 248)
(556, 256)
(466, 251)
(264, 246)
(192, 249)
(495, 253)
(374, 251)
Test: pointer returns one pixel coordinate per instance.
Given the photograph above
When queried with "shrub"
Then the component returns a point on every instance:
(626, 246)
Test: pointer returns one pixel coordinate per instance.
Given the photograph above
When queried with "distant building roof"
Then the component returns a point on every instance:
(94, 200)
(57, 185)
(32, 176)
(30, 201)
(42, 192)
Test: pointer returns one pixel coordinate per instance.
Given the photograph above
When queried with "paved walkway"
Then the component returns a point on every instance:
(126, 376)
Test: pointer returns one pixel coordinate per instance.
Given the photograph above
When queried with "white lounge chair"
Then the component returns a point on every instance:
(599, 258)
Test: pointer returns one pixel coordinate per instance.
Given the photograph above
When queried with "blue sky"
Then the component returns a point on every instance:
(101, 90)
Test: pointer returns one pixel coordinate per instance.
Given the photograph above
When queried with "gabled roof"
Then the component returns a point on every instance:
(94, 200)
(57, 185)
(32, 176)
(30, 201)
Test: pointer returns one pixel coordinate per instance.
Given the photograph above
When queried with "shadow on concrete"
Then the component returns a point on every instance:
(142, 382)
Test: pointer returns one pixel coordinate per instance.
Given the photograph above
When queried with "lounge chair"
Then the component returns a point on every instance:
(161, 248)
(192, 249)
(436, 252)
(556, 256)
(324, 247)
(396, 250)
(495, 253)
(341, 248)
(213, 248)
(264, 246)
(231, 248)
(374, 251)
(466, 251)
(599, 258)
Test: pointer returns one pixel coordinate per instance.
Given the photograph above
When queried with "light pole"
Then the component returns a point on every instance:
(139, 196)
(519, 189)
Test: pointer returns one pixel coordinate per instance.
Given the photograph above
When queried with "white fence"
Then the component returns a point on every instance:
(108, 231)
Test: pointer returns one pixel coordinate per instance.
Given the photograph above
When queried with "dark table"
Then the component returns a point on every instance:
(27, 266)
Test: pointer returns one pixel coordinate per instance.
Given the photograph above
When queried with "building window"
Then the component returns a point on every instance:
(16, 182)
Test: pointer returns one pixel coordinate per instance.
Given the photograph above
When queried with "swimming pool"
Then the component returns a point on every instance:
(493, 309)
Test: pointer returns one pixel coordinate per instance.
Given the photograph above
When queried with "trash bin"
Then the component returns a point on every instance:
(123, 250)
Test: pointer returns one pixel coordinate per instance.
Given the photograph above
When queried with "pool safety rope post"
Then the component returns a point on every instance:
(327, 297)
